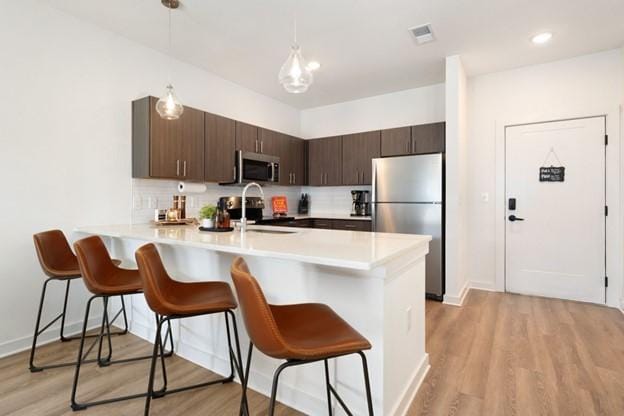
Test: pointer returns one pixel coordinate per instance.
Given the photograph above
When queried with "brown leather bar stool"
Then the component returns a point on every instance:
(104, 279)
(300, 334)
(60, 264)
(171, 299)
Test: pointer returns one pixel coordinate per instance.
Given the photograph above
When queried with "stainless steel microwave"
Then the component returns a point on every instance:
(254, 167)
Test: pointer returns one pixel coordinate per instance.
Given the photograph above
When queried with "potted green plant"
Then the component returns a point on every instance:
(206, 215)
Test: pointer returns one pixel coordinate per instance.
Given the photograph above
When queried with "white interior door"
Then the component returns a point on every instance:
(556, 247)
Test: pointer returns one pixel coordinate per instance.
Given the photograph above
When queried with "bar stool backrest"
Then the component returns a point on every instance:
(259, 320)
(54, 253)
(95, 263)
(156, 280)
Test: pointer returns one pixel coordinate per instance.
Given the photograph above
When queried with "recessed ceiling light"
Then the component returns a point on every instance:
(542, 38)
(313, 65)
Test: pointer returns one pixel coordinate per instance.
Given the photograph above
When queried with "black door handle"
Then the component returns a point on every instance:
(513, 218)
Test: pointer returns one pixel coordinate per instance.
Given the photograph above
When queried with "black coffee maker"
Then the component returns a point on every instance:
(360, 207)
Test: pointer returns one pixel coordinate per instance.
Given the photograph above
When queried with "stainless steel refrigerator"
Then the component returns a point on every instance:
(408, 197)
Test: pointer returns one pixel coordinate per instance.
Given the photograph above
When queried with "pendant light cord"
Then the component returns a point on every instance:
(169, 47)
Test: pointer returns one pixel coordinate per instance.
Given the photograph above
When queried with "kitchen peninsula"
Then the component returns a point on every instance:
(375, 281)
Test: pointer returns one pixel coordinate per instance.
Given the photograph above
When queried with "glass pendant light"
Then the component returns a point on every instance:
(168, 106)
(294, 75)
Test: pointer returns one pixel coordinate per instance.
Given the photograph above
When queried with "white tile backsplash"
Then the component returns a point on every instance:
(149, 194)
(331, 199)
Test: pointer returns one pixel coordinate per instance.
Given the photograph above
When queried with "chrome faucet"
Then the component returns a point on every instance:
(243, 220)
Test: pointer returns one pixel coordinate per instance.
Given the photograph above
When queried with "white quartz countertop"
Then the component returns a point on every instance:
(348, 249)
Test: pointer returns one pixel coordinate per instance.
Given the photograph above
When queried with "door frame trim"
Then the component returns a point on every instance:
(500, 226)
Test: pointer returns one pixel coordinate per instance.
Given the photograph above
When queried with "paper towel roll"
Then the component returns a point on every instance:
(191, 188)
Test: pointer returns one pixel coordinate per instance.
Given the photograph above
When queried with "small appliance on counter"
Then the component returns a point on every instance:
(304, 204)
(234, 206)
(360, 207)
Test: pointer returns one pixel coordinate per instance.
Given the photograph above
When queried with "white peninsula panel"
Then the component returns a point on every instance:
(375, 281)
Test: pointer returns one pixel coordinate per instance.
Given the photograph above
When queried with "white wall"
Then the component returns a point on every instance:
(65, 138)
(583, 86)
(456, 215)
(404, 108)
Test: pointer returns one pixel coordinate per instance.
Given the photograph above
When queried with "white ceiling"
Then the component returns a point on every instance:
(363, 45)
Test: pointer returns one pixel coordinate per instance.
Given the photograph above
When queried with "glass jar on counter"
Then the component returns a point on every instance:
(223, 216)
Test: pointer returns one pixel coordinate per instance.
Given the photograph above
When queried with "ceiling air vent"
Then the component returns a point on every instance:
(422, 33)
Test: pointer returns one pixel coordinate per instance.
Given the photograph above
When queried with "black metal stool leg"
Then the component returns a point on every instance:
(63, 338)
(327, 384)
(105, 324)
(32, 366)
(85, 323)
(239, 360)
(274, 388)
(369, 398)
(157, 347)
(243, 405)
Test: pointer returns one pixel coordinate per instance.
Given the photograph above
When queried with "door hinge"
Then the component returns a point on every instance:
(606, 281)
(606, 139)
(606, 210)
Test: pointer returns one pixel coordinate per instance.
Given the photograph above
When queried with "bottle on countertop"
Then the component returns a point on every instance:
(223, 216)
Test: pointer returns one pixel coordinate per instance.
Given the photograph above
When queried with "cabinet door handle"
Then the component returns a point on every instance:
(412, 146)
(294, 178)
(256, 147)
(261, 146)
(184, 169)
(178, 167)
(234, 172)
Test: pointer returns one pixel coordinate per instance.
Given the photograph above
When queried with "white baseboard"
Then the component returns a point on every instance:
(487, 286)
(457, 300)
(50, 335)
(412, 388)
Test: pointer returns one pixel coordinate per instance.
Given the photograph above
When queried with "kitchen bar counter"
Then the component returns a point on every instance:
(375, 281)
(348, 249)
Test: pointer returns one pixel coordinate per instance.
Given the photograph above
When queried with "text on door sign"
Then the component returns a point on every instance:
(552, 174)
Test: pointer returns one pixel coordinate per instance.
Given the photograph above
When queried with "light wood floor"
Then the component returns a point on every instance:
(500, 354)
(503, 354)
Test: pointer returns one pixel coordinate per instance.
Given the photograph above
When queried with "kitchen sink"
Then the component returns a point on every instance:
(271, 231)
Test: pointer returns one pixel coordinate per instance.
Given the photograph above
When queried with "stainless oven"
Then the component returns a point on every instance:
(255, 167)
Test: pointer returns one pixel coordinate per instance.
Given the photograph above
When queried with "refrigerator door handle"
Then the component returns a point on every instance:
(374, 196)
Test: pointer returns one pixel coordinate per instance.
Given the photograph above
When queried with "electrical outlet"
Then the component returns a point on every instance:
(408, 313)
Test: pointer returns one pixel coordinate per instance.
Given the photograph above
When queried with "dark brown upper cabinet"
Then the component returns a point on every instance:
(396, 142)
(167, 149)
(291, 153)
(415, 140)
(428, 138)
(220, 146)
(358, 151)
(247, 137)
(269, 142)
(325, 161)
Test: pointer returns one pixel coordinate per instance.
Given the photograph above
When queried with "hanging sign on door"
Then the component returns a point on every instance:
(552, 173)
